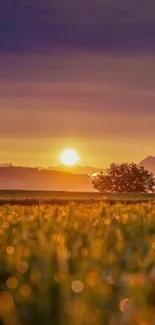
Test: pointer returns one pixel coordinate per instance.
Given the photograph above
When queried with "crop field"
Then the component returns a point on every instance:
(77, 264)
(56, 197)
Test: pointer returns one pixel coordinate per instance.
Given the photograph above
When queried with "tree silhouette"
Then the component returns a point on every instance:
(125, 178)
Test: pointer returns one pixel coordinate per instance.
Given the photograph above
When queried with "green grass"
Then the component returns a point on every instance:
(77, 264)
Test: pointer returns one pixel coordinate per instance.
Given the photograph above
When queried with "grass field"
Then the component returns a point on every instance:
(54, 197)
(77, 264)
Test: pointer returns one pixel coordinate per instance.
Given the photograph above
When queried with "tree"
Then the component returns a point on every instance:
(125, 178)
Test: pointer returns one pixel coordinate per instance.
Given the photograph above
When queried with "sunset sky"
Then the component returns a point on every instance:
(77, 74)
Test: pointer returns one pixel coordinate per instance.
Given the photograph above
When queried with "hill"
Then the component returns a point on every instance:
(6, 165)
(77, 169)
(149, 164)
(24, 178)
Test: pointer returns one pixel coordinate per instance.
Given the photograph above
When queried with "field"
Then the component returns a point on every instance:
(55, 197)
(77, 264)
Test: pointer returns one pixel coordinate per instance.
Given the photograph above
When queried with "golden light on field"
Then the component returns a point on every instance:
(69, 157)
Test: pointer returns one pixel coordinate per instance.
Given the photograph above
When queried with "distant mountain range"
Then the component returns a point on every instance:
(77, 169)
(149, 164)
(25, 178)
(60, 178)
(6, 165)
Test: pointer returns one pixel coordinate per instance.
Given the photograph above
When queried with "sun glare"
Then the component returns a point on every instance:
(69, 157)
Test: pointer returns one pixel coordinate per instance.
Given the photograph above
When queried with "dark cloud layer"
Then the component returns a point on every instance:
(92, 24)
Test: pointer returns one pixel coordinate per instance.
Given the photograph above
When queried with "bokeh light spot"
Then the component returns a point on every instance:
(77, 286)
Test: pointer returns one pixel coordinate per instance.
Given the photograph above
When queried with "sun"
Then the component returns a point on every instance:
(69, 157)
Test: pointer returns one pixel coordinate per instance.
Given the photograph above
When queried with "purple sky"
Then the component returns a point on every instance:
(77, 74)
